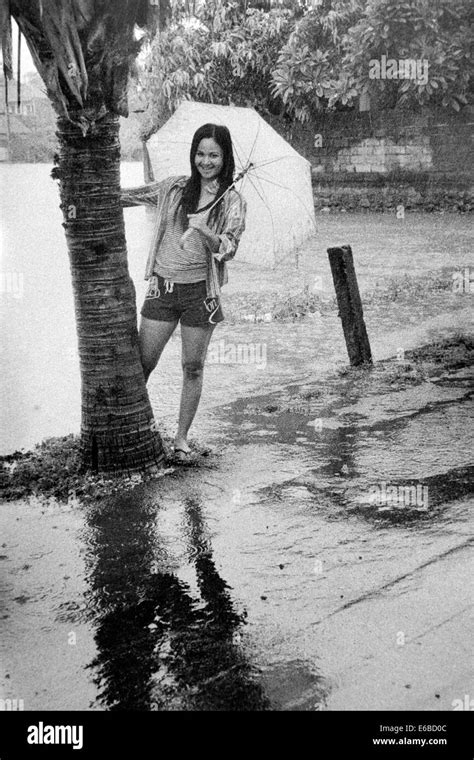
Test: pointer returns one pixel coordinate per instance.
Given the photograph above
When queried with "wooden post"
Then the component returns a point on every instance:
(350, 305)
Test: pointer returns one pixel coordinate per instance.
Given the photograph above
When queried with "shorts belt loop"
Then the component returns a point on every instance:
(169, 286)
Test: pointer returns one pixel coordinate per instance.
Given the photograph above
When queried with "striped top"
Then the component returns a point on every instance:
(228, 225)
(176, 263)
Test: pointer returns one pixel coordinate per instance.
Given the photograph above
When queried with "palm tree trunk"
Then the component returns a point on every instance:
(117, 432)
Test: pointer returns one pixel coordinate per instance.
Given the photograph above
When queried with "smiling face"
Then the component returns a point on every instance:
(209, 159)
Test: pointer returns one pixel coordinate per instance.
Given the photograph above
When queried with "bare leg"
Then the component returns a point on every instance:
(195, 341)
(153, 337)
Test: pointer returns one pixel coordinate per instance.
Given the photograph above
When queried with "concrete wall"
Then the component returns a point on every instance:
(433, 140)
(379, 161)
(383, 154)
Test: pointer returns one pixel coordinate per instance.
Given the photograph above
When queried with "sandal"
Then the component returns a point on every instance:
(184, 457)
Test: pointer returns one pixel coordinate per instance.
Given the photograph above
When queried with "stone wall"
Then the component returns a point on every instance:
(377, 161)
(395, 191)
(381, 154)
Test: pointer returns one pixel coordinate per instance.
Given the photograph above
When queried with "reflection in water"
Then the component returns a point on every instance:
(340, 450)
(158, 647)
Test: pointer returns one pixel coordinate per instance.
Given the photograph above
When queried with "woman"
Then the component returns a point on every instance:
(198, 226)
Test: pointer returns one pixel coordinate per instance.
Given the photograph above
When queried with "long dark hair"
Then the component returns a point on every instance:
(192, 189)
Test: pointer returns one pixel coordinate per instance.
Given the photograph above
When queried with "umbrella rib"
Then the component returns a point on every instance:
(255, 176)
(272, 161)
(255, 141)
(265, 203)
(285, 187)
(239, 159)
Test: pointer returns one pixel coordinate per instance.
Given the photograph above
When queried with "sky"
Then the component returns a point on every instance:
(27, 64)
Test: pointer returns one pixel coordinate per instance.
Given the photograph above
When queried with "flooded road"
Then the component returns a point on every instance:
(38, 337)
(319, 558)
(269, 578)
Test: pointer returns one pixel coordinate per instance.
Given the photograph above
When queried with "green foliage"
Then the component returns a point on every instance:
(302, 79)
(219, 55)
(433, 30)
(326, 61)
(309, 75)
(226, 52)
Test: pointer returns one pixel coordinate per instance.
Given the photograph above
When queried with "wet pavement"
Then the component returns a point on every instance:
(319, 559)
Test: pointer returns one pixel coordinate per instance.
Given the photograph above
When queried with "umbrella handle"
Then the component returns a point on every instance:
(237, 179)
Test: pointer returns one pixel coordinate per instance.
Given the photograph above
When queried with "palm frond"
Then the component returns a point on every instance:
(83, 49)
(60, 28)
(6, 39)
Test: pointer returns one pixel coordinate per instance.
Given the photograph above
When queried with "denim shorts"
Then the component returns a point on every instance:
(186, 302)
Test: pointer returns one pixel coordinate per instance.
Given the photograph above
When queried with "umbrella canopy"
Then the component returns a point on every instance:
(280, 210)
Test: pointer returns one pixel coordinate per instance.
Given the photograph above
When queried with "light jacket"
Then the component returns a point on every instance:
(228, 225)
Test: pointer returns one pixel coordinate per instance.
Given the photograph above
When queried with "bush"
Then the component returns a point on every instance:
(34, 148)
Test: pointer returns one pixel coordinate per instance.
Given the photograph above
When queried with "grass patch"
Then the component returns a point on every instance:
(53, 470)
(404, 288)
(276, 307)
(453, 353)
(418, 366)
(304, 303)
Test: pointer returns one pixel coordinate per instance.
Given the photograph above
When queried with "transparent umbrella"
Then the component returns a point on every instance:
(274, 179)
